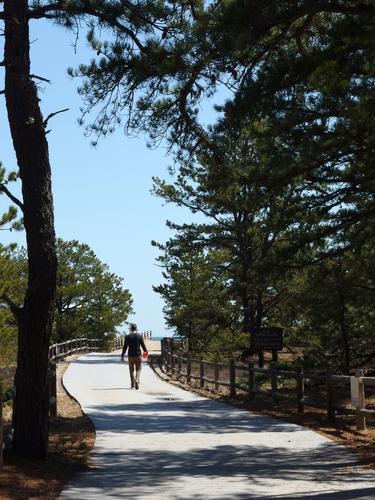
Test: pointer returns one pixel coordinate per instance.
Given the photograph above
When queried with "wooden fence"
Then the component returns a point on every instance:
(147, 334)
(360, 381)
(244, 378)
(56, 352)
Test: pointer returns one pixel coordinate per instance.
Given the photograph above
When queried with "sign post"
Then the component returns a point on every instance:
(266, 339)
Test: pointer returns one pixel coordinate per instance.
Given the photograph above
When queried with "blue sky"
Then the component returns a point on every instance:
(101, 195)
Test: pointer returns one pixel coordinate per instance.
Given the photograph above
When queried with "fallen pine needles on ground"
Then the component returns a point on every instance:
(72, 436)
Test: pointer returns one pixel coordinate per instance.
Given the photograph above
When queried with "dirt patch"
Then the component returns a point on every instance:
(7, 376)
(343, 429)
(72, 436)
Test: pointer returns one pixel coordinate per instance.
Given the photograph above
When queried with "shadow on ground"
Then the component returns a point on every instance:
(137, 468)
(260, 467)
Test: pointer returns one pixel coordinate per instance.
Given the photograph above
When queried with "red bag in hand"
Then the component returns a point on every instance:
(145, 354)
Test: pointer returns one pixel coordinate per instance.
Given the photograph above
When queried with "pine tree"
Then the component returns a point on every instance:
(28, 131)
(91, 302)
(195, 292)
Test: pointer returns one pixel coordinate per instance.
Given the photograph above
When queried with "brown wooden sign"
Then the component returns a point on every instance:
(266, 339)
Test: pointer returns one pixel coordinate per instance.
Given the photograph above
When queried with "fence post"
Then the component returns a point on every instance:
(330, 407)
(201, 374)
(52, 392)
(216, 375)
(179, 366)
(232, 378)
(188, 370)
(169, 363)
(1, 427)
(171, 352)
(274, 383)
(251, 380)
(162, 351)
(260, 359)
(172, 363)
(361, 420)
(300, 389)
(164, 354)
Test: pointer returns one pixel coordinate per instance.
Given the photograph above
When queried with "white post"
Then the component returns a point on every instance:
(361, 420)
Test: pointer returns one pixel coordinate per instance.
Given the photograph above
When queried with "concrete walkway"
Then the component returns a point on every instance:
(162, 442)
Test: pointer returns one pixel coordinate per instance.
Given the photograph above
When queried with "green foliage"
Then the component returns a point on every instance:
(8, 219)
(286, 182)
(13, 276)
(90, 301)
(8, 335)
(285, 177)
(197, 305)
(335, 303)
(12, 273)
(226, 342)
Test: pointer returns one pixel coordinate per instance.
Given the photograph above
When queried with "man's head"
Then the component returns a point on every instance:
(133, 327)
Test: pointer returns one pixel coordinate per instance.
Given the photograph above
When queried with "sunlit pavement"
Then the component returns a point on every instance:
(162, 442)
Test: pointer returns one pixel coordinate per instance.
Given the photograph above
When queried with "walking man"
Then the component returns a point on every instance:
(134, 342)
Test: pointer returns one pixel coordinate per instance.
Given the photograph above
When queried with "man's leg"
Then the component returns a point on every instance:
(131, 361)
(138, 368)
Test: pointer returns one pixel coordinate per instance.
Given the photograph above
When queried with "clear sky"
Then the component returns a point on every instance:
(101, 195)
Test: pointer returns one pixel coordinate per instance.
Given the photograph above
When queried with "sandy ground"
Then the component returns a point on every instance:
(71, 438)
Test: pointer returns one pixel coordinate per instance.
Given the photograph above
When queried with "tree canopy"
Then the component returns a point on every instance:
(300, 76)
(91, 302)
(285, 176)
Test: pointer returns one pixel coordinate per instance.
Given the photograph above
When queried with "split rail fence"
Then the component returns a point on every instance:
(245, 378)
(56, 352)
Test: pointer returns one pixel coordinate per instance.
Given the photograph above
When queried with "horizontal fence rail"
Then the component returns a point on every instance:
(246, 378)
(56, 352)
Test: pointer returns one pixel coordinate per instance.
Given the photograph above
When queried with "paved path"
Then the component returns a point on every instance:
(162, 442)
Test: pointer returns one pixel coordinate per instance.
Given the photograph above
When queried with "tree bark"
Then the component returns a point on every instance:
(345, 340)
(35, 319)
(246, 318)
(259, 310)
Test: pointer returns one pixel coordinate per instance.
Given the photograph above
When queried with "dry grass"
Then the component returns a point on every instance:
(72, 436)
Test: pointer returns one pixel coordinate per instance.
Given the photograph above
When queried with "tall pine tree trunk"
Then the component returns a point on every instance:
(35, 319)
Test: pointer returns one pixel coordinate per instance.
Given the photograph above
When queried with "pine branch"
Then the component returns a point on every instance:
(42, 11)
(88, 10)
(40, 78)
(16, 310)
(15, 200)
(51, 115)
(192, 124)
